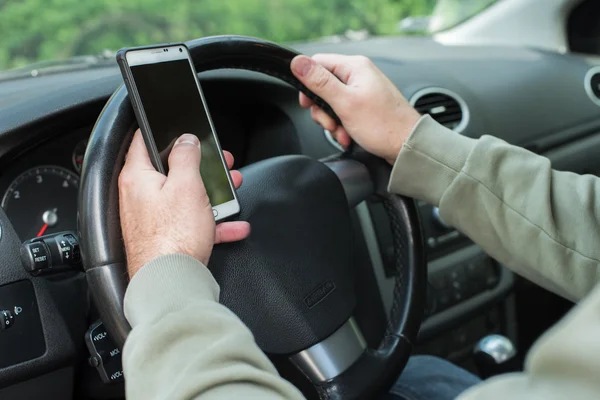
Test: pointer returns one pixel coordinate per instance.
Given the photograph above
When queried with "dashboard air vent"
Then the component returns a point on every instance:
(592, 84)
(446, 107)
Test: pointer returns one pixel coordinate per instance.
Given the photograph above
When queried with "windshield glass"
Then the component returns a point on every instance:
(41, 30)
(449, 13)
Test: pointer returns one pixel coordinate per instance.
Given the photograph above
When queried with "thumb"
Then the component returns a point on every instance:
(317, 79)
(184, 160)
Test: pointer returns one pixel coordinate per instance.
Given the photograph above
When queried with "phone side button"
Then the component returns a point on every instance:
(215, 212)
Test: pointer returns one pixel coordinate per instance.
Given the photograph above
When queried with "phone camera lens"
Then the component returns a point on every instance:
(180, 50)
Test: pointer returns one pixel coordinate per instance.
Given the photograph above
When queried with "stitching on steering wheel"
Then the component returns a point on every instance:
(400, 240)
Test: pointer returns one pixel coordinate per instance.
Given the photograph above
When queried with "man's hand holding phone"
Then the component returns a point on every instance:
(170, 214)
(167, 100)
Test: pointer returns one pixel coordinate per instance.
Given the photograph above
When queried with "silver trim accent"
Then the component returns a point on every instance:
(332, 141)
(332, 356)
(498, 347)
(438, 218)
(461, 102)
(587, 83)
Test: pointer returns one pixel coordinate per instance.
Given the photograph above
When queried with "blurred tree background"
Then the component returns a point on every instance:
(33, 30)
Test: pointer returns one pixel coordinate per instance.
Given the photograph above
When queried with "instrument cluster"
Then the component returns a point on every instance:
(39, 188)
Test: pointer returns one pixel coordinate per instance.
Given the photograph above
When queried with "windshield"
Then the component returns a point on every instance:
(41, 30)
(449, 13)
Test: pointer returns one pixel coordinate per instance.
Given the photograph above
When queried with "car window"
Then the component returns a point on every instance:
(39, 30)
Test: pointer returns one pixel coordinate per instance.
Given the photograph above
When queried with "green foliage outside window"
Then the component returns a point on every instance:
(34, 30)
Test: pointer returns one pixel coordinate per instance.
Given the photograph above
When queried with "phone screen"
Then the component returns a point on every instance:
(173, 106)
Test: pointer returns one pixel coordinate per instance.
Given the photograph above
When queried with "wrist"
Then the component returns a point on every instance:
(140, 254)
(407, 125)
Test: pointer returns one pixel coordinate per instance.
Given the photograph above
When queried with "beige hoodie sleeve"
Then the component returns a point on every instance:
(544, 224)
(540, 222)
(185, 345)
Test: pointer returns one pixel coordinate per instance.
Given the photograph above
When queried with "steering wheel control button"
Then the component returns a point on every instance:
(94, 361)
(51, 253)
(68, 247)
(105, 356)
(99, 359)
(35, 257)
(7, 320)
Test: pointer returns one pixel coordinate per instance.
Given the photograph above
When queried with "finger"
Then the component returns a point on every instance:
(236, 177)
(305, 102)
(339, 65)
(323, 119)
(318, 79)
(164, 154)
(228, 159)
(342, 137)
(184, 160)
(232, 231)
(137, 156)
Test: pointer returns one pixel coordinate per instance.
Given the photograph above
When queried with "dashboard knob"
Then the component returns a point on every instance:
(438, 218)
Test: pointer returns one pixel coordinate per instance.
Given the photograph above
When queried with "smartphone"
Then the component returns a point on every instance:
(167, 100)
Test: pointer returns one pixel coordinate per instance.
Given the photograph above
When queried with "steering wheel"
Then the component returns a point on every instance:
(292, 281)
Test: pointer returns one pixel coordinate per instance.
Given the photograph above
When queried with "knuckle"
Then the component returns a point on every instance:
(322, 78)
(319, 56)
(363, 61)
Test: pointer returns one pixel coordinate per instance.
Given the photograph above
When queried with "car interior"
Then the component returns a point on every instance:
(64, 131)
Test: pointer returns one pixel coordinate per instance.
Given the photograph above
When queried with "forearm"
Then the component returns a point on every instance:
(185, 345)
(540, 222)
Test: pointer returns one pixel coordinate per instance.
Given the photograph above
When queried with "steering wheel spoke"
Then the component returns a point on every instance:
(355, 179)
(332, 356)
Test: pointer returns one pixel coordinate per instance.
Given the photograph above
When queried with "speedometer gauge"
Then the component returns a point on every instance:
(42, 200)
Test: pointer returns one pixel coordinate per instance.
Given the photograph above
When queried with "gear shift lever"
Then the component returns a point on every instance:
(494, 355)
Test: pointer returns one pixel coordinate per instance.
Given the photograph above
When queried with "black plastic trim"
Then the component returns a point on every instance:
(440, 322)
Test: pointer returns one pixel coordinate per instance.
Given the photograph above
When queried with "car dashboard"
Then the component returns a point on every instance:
(545, 102)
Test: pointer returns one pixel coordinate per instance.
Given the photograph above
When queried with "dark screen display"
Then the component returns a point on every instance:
(173, 106)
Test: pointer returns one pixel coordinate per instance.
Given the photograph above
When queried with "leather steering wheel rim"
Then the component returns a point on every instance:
(101, 240)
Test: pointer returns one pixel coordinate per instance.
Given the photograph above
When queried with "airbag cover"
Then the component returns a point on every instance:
(291, 281)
